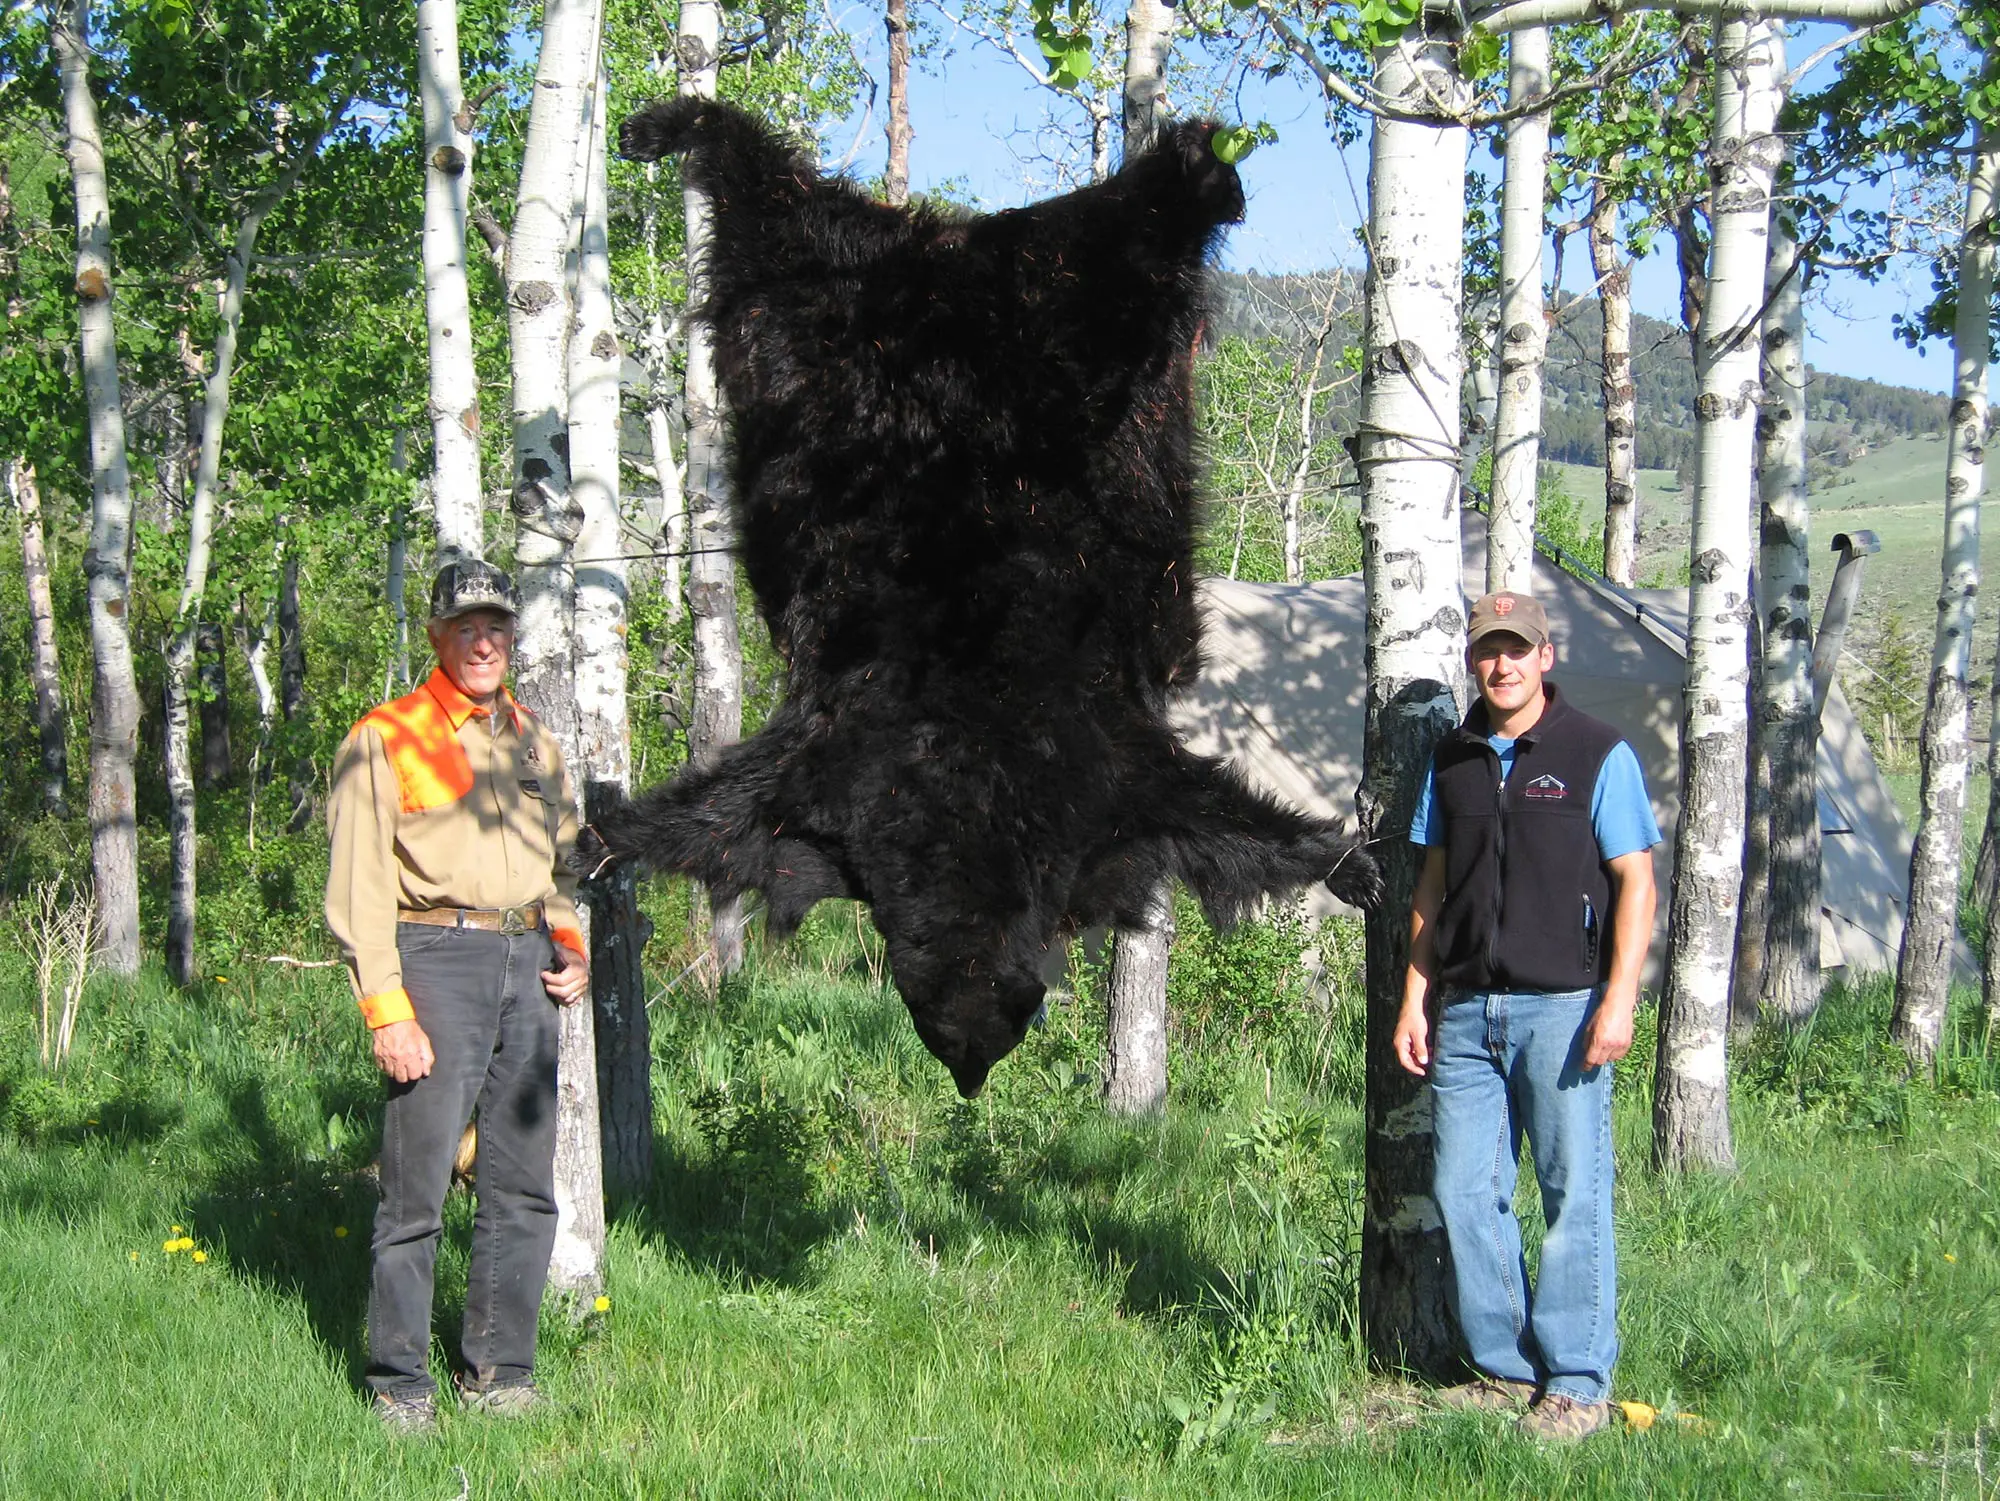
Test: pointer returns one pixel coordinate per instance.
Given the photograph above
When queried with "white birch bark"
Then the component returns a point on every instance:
(454, 381)
(114, 690)
(1524, 330)
(1621, 395)
(896, 176)
(1512, 17)
(1135, 1044)
(45, 666)
(1149, 42)
(1923, 969)
(717, 719)
(1294, 503)
(603, 589)
(180, 654)
(549, 519)
(1482, 379)
(1407, 450)
(1690, 1085)
(1788, 724)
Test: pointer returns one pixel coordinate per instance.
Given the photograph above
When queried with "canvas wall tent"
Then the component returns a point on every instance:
(1282, 696)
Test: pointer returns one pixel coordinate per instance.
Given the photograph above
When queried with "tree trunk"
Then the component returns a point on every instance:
(1788, 722)
(1923, 969)
(1691, 1083)
(618, 932)
(45, 667)
(1621, 396)
(549, 519)
(1135, 1070)
(1135, 1054)
(1753, 905)
(896, 179)
(212, 679)
(181, 649)
(114, 690)
(1149, 42)
(292, 688)
(1524, 329)
(1404, 449)
(454, 382)
(1295, 486)
(397, 575)
(1482, 375)
(717, 720)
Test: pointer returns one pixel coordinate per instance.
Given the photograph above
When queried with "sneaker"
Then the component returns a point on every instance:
(1560, 1419)
(411, 1415)
(516, 1399)
(1487, 1394)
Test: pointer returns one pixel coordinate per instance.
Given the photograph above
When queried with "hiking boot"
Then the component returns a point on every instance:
(410, 1415)
(517, 1399)
(1560, 1419)
(1487, 1394)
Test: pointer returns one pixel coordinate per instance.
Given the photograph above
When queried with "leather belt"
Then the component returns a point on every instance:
(509, 920)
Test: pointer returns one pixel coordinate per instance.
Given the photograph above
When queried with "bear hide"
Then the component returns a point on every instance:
(963, 478)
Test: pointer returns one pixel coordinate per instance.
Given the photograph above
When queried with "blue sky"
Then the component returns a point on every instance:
(977, 116)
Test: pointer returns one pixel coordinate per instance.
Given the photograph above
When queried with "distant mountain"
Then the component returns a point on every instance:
(1847, 417)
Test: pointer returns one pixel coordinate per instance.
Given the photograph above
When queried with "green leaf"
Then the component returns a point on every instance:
(1232, 143)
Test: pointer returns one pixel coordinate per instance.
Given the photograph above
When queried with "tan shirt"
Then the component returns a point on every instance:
(439, 803)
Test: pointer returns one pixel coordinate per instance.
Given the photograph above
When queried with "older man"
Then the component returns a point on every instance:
(450, 816)
(1532, 915)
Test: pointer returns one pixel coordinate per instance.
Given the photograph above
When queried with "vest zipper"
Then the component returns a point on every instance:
(1500, 862)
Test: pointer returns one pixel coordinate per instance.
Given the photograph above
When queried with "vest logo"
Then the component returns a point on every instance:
(1545, 785)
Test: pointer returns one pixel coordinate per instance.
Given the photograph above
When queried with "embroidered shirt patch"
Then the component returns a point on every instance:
(1545, 785)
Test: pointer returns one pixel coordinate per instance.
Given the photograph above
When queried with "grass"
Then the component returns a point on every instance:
(846, 1282)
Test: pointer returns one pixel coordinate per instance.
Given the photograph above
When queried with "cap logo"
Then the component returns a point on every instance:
(1504, 605)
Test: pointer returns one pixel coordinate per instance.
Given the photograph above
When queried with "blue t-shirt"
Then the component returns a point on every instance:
(1621, 815)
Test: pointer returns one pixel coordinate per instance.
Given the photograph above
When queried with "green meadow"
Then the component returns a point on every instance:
(846, 1282)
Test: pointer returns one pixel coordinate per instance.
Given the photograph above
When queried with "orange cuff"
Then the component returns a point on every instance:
(389, 1006)
(570, 939)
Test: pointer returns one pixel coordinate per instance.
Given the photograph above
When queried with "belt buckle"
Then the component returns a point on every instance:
(514, 921)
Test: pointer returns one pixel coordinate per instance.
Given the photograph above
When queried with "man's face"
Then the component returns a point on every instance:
(1508, 670)
(474, 649)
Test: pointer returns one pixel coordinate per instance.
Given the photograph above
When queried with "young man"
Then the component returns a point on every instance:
(1531, 920)
(451, 815)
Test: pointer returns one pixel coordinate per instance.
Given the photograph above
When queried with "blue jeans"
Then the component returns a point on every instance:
(1503, 1064)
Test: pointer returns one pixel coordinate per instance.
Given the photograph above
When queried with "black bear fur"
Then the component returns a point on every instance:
(963, 470)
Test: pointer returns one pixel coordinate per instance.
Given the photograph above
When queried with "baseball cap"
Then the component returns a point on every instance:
(472, 584)
(1516, 614)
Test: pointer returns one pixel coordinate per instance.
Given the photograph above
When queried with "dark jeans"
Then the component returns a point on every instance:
(493, 1030)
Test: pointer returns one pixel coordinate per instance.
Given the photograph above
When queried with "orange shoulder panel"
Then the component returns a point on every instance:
(431, 768)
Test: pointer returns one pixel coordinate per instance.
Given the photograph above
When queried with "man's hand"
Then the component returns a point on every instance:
(403, 1051)
(1412, 1040)
(1608, 1035)
(569, 984)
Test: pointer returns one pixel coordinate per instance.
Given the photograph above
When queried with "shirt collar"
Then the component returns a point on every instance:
(458, 708)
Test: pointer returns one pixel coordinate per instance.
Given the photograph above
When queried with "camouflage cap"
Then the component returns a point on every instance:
(1516, 614)
(472, 584)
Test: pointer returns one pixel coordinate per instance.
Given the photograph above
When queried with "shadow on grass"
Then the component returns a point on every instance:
(748, 1221)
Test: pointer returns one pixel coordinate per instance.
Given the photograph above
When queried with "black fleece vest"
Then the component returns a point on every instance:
(1526, 900)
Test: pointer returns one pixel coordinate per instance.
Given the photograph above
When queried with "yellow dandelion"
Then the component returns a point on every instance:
(200, 1256)
(1638, 1415)
(187, 1242)
(222, 979)
(1949, 1257)
(177, 1229)
(170, 1246)
(131, 1255)
(602, 1305)
(90, 1120)
(340, 1232)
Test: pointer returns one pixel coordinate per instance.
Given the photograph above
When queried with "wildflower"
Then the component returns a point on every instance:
(177, 1229)
(90, 1120)
(1638, 1415)
(200, 1257)
(131, 1255)
(340, 1232)
(1949, 1257)
(602, 1305)
(170, 1246)
(185, 1243)
(222, 979)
